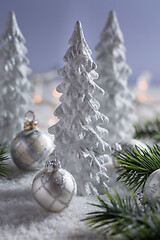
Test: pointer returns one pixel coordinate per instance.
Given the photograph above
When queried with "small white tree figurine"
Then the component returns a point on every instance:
(117, 102)
(15, 88)
(78, 134)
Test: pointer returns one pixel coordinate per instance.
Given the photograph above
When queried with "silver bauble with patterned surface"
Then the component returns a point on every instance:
(31, 147)
(152, 187)
(53, 187)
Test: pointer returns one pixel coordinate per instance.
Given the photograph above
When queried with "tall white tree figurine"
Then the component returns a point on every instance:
(15, 88)
(117, 102)
(79, 132)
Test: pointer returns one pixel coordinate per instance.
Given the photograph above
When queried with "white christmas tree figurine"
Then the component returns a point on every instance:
(79, 132)
(15, 88)
(117, 102)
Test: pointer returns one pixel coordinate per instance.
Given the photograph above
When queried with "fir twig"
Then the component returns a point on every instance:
(148, 129)
(136, 164)
(125, 217)
(3, 157)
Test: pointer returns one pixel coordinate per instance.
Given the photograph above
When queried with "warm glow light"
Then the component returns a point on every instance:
(142, 85)
(142, 98)
(37, 98)
(52, 121)
(56, 94)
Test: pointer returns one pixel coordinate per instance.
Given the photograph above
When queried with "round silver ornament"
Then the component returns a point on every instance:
(53, 187)
(31, 147)
(152, 187)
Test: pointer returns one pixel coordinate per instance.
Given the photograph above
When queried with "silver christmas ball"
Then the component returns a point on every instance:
(152, 187)
(53, 187)
(31, 147)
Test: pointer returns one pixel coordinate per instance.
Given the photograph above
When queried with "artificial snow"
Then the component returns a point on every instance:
(22, 218)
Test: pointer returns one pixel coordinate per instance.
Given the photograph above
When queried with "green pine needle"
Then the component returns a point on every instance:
(3, 157)
(148, 129)
(125, 217)
(136, 164)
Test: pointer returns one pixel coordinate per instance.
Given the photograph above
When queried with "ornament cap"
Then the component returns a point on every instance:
(52, 164)
(29, 125)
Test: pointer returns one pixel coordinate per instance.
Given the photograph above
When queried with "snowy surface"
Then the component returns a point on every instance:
(21, 217)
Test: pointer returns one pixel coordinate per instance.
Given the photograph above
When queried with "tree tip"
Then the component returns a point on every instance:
(112, 13)
(11, 13)
(78, 24)
(77, 33)
(11, 17)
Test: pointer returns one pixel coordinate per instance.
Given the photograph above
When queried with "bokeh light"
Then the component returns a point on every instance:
(53, 120)
(142, 98)
(56, 94)
(143, 85)
(37, 98)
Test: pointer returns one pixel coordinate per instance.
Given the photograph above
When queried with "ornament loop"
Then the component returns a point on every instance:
(29, 125)
(26, 117)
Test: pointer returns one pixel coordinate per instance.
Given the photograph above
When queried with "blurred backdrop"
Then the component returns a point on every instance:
(48, 25)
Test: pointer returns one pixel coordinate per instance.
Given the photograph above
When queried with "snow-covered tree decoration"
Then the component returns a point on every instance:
(79, 132)
(15, 88)
(117, 102)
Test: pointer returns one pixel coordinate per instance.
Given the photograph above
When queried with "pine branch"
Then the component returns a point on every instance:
(136, 164)
(3, 157)
(149, 129)
(125, 217)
